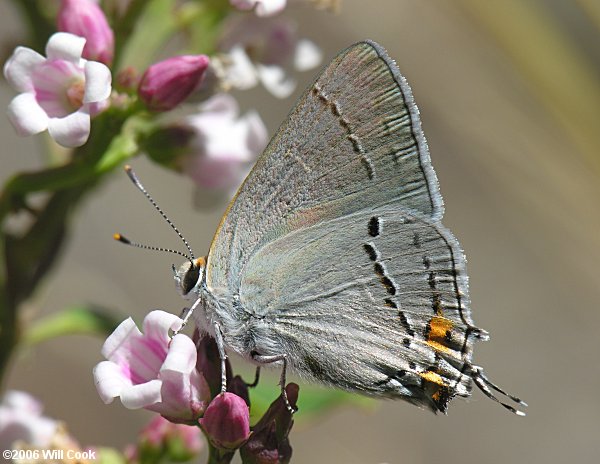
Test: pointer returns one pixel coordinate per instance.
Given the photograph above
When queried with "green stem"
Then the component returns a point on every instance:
(218, 456)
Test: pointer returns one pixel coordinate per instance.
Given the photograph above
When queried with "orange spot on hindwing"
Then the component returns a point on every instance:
(438, 330)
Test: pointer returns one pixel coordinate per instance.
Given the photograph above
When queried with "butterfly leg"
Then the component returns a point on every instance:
(271, 359)
(186, 313)
(222, 355)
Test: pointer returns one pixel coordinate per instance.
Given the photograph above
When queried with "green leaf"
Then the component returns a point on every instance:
(76, 320)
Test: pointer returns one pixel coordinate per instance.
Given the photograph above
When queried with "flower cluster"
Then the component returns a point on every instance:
(264, 50)
(65, 90)
(24, 428)
(21, 420)
(181, 380)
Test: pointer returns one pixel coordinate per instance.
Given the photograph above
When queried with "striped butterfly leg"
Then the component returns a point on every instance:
(276, 358)
(186, 314)
(222, 355)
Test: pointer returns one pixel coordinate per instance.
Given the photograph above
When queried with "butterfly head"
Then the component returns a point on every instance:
(188, 278)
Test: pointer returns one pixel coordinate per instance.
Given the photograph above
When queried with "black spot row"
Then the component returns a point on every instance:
(374, 226)
(370, 251)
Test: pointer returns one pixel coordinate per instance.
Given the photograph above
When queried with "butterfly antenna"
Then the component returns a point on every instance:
(141, 188)
(126, 241)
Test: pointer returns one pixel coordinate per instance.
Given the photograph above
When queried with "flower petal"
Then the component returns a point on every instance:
(157, 324)
(185, 393)
(275, 80)
(257, 135)
(19, 67)
(97, 82)
(65, 46)
(23, 402)
(119, 337)
(307, 55)
(269, 7)
(142, 395)
(26, 115)
(72, 130)
(221, 105)
(21, 420)
(181, 356)
(109, 380)
(241, 73)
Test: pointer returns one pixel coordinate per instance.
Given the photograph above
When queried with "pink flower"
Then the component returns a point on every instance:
(58, 93)
(225, 144)
(264, 50)
(167, 83)
(226, 421)
(151, 370)
(164, 439)
(21, 420)
(261, 7)
(85, 19)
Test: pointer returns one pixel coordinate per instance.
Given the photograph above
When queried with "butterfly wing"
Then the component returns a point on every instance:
(374, 301)
(352, 142)
(332, 251)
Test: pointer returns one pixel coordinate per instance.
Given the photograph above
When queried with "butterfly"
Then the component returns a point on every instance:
(332, 259)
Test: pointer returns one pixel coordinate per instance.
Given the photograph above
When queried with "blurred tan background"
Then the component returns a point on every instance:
(509, 93)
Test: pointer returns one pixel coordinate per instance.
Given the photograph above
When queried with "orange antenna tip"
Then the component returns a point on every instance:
(120, 238)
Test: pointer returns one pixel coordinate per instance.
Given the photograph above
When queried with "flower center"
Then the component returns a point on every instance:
(59, 87)
(75, 93)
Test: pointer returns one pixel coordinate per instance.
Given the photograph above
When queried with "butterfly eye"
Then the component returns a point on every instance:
(190, 279)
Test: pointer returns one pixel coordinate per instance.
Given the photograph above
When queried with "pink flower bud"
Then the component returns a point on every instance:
(167, 83)
(85, 19)
(226, 421)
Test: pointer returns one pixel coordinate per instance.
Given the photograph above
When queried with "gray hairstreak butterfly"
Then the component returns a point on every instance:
(332, 260)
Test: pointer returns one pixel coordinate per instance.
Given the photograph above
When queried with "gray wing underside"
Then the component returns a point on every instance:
(353, 142)
(373, 301)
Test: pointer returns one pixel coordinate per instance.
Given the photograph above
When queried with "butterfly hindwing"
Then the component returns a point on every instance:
(375, 301)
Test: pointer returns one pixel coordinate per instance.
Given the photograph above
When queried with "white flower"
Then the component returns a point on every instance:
(224, 145)
(261, 7)
(58, 93)
(150, 370)
(21, 420)
(263, 51)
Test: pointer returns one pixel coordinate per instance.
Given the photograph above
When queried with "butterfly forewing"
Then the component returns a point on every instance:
(352, 142)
